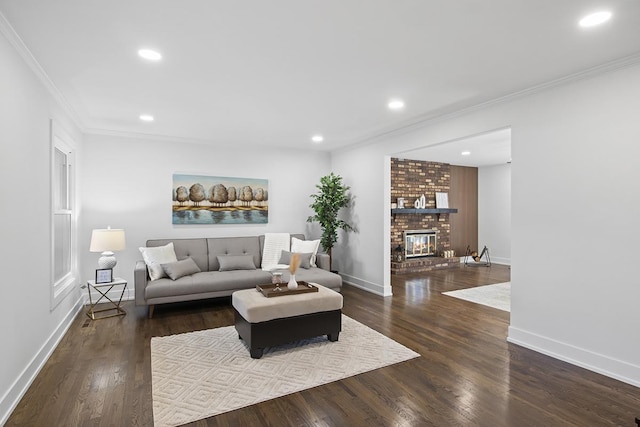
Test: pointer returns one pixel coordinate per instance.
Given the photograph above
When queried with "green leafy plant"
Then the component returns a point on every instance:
(331, 197)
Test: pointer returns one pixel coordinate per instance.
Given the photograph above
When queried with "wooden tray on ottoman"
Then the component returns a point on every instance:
(270, 290)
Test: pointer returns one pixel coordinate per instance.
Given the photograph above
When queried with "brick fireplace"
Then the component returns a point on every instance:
(411, 179)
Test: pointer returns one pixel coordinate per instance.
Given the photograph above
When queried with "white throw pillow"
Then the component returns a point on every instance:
(305, 247)
(155, 257)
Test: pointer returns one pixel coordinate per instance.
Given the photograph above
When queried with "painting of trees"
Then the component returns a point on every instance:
(219, 200)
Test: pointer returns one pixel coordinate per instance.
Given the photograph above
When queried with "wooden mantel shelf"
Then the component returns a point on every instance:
(423, 211)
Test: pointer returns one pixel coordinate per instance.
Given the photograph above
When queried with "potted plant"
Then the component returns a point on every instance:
(331, 197)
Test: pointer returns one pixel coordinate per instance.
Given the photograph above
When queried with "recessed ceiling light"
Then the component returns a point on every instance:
(466, 153)
(146, 117)
(595, 19)
(317, 138)
(149, 54)
(395, 104)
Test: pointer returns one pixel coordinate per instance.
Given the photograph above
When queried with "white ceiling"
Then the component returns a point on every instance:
(488, 149)
(276, 72)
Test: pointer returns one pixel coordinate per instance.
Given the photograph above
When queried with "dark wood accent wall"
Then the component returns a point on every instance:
(464, 196)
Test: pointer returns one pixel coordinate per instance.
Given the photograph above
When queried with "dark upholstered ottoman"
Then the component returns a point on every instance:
(265, 322)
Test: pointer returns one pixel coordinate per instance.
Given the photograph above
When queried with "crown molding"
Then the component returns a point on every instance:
(14, 39)
(453, 112)
(145, 136)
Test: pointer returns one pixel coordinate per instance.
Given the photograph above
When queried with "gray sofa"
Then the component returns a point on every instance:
(211, 283)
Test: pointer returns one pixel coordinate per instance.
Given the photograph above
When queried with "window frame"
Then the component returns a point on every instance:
(62, 142)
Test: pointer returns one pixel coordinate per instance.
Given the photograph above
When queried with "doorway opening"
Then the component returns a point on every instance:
(475, 173)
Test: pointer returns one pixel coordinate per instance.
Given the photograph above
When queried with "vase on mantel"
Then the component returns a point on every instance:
(292, 282)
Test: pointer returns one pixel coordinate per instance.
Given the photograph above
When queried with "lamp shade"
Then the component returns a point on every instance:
(109, 239)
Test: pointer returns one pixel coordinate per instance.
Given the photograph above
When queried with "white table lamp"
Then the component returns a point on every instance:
(106, 241)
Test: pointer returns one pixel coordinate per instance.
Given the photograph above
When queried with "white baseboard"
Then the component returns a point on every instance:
(12, 397)
(500, 260)
(365, 285)
(602, 364)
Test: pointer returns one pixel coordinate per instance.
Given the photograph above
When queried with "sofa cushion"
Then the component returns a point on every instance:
(305, 259)
(232, 246)
(206, 281)
(236, 262)
(178, 269)
(306, 246)
(154, 257)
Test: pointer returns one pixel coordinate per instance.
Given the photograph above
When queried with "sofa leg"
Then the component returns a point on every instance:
(151, 307)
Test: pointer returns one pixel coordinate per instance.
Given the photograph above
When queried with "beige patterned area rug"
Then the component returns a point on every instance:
(496, 296)
(201, 374)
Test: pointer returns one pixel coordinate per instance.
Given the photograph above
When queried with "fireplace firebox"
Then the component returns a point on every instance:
(420, 243)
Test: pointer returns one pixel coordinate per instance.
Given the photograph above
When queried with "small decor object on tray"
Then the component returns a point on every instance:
(276, 278)
(293, 267)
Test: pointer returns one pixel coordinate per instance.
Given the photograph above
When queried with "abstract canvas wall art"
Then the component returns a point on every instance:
(202, 199)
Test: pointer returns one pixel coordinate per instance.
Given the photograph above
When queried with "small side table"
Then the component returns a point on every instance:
(103, 289)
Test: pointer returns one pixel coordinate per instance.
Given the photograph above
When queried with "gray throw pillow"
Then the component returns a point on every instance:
(305, 259)
(236, 262)
(181, 268)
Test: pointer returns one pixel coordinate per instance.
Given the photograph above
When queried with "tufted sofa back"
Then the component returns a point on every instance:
(194, 248)
(205, 251)
(233, 246)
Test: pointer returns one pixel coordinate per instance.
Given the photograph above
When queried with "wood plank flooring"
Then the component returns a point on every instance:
(467, 375)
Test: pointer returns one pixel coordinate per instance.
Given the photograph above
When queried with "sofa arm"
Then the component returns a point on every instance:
(140, 280)
(323, 261)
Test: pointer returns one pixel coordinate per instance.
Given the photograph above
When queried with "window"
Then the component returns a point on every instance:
(63, 216)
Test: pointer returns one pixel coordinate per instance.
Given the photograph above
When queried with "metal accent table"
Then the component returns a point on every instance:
(103, 289)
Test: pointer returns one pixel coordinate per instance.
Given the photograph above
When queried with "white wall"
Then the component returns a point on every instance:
(127, 183)
(494, 211)
(360, 255)
(30, 328)
(575, 171)
(575, 151)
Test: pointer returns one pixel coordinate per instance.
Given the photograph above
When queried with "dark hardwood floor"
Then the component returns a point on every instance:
(467, 375)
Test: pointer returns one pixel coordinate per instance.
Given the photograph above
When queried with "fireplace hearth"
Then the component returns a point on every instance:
(420, 243)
